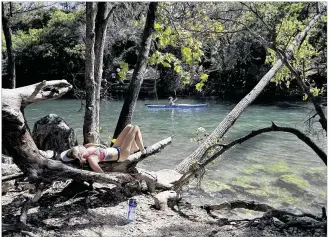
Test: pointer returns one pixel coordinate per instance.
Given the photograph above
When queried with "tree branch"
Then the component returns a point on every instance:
(13, 176)
(111, 11)
(305, 88)
(225, 147)
(255, 206)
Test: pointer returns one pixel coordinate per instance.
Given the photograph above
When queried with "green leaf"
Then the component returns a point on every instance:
(204, 76)
(168, 31)
(305, 97)
(157, 26)
(287, 84)
(177, 69)
(199, 86)
(165, 64)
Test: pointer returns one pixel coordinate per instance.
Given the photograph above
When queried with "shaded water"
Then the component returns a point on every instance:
(276, 168)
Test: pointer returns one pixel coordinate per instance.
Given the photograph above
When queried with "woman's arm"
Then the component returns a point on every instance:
(93, 161)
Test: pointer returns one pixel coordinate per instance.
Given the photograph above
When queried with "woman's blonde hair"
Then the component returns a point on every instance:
(74, 153)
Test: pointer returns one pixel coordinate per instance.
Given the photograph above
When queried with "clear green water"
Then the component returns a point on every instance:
(275, 168)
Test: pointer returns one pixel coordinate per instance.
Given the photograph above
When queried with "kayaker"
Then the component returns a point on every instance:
(171, 101)
(129, 140)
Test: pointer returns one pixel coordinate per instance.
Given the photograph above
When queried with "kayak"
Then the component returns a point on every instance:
(176, 106)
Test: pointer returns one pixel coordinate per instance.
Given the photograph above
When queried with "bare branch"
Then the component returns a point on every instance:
(111, 11)
(305, 88)
(225, 147)
(13, 176)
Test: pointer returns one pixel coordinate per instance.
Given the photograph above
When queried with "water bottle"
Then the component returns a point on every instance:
(131, 209)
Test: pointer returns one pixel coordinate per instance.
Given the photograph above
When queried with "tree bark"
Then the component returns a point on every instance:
(17, 139)
(126, 113)
(230, 119)
(96, 28)
(89, 127)
(101, 23)
(10, 52)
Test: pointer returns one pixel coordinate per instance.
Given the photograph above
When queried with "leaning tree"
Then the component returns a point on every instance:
(231, 118)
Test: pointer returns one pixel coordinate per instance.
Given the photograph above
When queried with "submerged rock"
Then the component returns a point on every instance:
(295, 182)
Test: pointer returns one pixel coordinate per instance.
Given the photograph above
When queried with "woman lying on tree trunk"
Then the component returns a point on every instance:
(130, 139)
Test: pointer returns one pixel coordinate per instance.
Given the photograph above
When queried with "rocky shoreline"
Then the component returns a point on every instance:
(64, 211)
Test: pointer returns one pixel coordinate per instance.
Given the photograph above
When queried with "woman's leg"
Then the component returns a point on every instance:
(126, 146)
(134, 147)
(138, 139)
(134, 134)
(122, 135)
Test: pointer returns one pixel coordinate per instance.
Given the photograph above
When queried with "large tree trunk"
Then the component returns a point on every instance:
(126, 113)
(230, 119)
(89, 128)
(10, 52)
(96, 28)
(101, 23)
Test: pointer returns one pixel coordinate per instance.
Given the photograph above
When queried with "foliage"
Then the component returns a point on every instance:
(57, 45)
(198, 47)
(178, 48)
(281, 32)
(123, 70)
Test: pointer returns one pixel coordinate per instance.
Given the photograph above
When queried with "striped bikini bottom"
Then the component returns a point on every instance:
(105, 156)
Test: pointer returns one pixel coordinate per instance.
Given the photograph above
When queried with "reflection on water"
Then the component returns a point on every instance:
(274, 167)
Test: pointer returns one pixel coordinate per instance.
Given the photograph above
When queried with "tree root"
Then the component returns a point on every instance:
(287, 220)
(29, 202)
(13, 176)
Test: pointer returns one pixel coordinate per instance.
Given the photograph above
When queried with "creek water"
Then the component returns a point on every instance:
(275, 168)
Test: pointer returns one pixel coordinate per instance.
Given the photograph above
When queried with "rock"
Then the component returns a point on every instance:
(6, 159)
(53, 133)
(9, 169)
(162, 198)
(166, 177)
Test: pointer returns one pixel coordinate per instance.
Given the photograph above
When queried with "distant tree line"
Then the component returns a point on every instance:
(199, 49)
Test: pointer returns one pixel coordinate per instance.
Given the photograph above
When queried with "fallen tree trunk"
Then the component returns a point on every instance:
(18, 142)
(231, 118)
(35, 163)
(128, 165)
